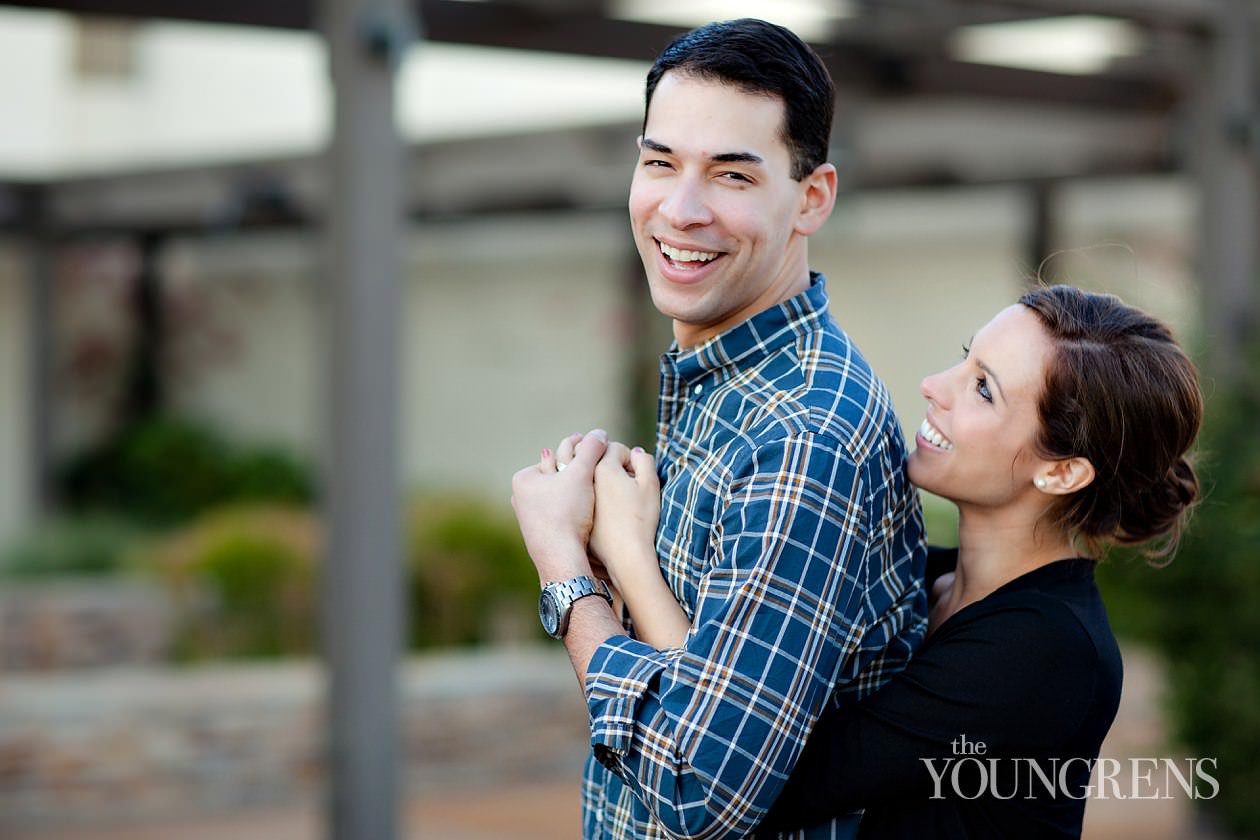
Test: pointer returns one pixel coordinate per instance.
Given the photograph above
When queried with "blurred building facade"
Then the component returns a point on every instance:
(524, 315)
(521, 327)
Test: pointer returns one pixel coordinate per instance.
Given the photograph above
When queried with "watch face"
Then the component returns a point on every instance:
(549, 613)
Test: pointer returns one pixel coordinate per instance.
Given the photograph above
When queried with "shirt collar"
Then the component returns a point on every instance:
(749, 341)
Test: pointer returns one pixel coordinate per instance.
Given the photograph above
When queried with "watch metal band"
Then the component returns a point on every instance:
(556, 601)
(579, 587)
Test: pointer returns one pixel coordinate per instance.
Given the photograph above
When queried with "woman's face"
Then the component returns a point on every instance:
(975, 446)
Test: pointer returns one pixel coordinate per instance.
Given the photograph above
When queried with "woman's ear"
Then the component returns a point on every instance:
(1059, 478)
(818, 197)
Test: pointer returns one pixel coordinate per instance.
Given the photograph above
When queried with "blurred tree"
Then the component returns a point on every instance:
(124, 351)
(143, 392)
(1201, 610)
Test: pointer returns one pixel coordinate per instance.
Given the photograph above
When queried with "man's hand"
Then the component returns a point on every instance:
(556, 509)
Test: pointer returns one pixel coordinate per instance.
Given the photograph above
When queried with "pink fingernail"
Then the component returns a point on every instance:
(638, 450)
(546, 452)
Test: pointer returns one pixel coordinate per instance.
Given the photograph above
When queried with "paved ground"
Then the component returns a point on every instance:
(539, 811)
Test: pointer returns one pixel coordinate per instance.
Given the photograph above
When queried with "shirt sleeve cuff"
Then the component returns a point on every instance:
(619, 675)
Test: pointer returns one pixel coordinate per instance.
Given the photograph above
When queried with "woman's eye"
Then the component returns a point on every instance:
(982, 388)
(737, 176)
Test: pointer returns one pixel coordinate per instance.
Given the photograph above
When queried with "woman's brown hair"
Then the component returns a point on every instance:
(1120, 392)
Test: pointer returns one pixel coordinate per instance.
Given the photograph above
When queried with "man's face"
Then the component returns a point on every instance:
(718, 220)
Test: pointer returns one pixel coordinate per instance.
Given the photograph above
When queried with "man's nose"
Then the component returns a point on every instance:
(686, 206)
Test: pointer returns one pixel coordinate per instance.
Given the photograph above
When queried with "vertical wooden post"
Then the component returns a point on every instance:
(1229, 171)
(41, 491)
(1039, 238)
(362, 579)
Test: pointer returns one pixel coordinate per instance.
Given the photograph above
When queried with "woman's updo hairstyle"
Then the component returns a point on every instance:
(1122, 393)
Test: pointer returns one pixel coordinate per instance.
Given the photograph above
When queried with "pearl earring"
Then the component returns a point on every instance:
(1041, 483)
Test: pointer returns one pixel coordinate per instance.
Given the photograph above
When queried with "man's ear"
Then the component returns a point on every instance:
(818, 197)
(1059, 478)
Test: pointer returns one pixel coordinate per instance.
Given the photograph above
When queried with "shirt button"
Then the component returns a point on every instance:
(698, 390)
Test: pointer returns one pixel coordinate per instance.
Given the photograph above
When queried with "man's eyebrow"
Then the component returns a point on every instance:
(989, 372)
(725, 157)
(738, 157)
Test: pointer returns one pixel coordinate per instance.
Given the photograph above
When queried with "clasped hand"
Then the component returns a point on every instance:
(589, 507)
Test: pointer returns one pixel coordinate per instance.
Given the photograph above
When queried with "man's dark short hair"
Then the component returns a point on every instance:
(760, 58)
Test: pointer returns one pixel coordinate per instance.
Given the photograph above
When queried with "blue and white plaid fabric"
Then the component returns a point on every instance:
(792, 538)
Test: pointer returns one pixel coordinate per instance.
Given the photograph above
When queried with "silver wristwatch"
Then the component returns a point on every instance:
(555, 603)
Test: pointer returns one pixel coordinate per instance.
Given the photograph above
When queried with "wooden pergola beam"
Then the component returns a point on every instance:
(1192, 15)
(275, 14)
(860, 57)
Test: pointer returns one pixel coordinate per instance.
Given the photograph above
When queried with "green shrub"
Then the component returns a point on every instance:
(245, 579)
(71, 545)
(167, 470)
(471, 579)
(244, 582)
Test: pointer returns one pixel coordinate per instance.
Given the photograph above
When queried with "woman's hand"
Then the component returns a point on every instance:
(627, 509)
(623, 539)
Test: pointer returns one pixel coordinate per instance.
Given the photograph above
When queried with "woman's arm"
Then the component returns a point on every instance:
(623, 539)
(1017, 677)
(658, 619)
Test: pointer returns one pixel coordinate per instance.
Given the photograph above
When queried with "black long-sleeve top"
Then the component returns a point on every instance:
(1032, 671)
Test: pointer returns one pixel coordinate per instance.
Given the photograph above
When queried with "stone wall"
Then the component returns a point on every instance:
(82, 623)
(118, 746)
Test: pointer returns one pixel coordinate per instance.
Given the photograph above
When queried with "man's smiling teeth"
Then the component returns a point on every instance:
(933, 435)
(680, 255)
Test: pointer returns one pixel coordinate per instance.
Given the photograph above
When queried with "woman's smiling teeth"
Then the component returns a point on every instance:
(933, 435)
(680, 255)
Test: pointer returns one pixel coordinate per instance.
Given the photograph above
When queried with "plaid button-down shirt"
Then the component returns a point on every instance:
(792, 538)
